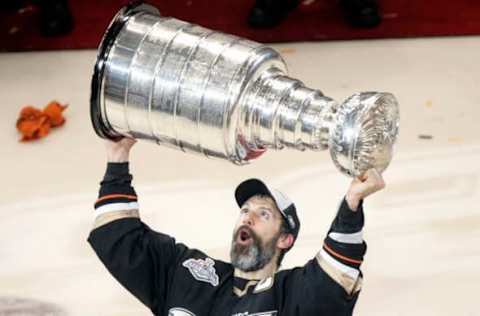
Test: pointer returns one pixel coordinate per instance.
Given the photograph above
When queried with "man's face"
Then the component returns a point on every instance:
(256, 234)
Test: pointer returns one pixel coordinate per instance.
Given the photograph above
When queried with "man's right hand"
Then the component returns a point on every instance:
(119, 151)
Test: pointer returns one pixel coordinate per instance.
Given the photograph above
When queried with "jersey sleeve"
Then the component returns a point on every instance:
(344, 248)
(330, 283)
(141, 259)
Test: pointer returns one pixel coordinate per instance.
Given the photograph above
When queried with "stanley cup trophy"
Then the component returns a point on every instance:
(201, 91)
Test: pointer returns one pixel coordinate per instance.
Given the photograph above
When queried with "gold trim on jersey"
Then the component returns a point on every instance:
(109, 217)
(241, 293)
(350, 284)
(264, 285)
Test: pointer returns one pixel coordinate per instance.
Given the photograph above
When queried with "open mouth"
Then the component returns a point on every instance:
(244, 236)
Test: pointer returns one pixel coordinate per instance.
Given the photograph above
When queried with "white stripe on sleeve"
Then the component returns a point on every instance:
(114, 207)
(351, 272)
(355, 238)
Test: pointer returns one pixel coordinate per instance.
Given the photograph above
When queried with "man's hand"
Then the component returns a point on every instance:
(119, 151)
(360, 188)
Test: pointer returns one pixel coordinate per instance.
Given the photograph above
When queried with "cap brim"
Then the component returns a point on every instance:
(249, 188)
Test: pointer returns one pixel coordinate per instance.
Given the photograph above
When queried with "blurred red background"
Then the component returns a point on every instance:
(313, 20)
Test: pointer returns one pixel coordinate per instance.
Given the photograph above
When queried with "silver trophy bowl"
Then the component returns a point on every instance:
(201, 91)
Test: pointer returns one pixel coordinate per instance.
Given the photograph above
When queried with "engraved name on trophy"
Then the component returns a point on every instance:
(181, 85)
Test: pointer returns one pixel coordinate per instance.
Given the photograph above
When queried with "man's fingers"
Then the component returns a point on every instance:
(366, 175)
(371, 180)
(128, 141)
(121, 141)
(375, 179)
(131, 140)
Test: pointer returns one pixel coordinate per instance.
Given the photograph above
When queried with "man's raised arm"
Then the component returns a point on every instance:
(117, 198)
(329, 284)
(141, 259)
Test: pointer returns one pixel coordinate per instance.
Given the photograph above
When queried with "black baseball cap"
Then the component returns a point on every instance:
(252, 187)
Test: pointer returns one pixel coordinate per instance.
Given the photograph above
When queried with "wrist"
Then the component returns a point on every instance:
(353, 200)
(118, 157)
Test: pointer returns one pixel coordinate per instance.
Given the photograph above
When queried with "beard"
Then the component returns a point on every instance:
(255, 256)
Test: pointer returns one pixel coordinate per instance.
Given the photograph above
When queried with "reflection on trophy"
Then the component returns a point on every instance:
(202, 91)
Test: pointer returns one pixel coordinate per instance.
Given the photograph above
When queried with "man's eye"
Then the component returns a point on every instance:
(265, 214)
(243, 210)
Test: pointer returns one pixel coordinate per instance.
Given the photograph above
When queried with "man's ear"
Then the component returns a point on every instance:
(285, 241)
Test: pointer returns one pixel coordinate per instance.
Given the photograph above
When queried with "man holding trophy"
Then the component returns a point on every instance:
(183, 86)
(168, 276)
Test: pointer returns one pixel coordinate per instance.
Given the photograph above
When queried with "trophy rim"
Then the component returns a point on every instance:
(352, 169)
(116, 25)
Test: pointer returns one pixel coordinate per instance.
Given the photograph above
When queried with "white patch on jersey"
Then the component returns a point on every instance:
(202, 270)
(177, 311)
(264, 285)
(270, 313)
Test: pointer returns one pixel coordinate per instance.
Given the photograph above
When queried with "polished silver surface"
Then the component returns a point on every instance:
(202, 91)
(364, 132)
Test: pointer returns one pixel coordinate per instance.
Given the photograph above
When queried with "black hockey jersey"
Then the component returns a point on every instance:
(174, 280)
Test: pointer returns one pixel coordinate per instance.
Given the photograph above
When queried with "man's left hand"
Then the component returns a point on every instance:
(360, 188)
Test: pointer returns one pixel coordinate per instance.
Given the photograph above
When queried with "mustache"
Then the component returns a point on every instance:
(249, 230)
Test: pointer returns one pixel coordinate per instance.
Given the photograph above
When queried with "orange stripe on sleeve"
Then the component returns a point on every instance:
(113, 196)
(340, 256)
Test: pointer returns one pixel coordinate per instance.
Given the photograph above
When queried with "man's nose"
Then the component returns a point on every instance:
(248, 219)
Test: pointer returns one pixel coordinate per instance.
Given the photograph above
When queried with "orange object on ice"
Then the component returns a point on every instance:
(54, 112)
(34, 123)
